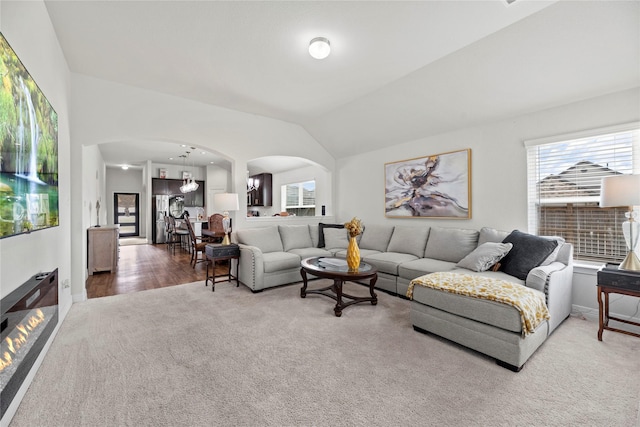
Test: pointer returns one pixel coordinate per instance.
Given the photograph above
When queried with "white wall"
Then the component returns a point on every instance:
(27, 28)
(320, 175)
(105, 112)
(499, 177)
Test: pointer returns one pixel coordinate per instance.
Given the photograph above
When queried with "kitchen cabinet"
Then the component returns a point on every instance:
(174, 186)
(262, 196)
(160, 187)
(171, 187)
(195, 198)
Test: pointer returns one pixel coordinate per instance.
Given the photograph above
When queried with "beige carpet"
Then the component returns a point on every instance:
(184, 356)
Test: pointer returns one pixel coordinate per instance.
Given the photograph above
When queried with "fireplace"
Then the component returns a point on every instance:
(29, 316)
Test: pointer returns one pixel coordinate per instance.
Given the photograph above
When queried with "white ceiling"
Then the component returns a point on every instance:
(398, 70)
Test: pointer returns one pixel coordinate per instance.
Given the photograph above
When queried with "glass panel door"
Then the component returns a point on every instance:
(126, 208)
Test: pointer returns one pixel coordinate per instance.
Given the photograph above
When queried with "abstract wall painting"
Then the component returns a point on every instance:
(434, 186)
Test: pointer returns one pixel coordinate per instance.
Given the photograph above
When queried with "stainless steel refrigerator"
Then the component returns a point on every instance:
(160, 209)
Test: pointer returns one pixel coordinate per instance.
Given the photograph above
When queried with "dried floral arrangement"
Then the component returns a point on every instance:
(354, 227)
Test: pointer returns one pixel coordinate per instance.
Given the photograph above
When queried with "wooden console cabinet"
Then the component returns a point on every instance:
(102, 248)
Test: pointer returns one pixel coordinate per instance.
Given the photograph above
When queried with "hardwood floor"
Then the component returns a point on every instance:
(142, 267)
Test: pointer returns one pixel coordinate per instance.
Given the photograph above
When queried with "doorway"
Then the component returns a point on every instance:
(126, 212)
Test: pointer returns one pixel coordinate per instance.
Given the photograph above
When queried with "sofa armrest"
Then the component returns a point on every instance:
(538, 277)
(251, 266)
(556, 281)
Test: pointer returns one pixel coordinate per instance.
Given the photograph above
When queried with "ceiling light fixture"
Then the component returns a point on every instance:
(125, 167)
(190, 183)
(319, 47)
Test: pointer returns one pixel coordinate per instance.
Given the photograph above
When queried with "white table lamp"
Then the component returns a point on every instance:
(624, 190)
(226, 202)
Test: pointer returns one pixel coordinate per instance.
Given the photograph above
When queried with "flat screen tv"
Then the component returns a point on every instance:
(28, 150)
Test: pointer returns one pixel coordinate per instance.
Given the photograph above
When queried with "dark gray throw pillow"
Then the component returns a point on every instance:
(528, 252)
(321, 227)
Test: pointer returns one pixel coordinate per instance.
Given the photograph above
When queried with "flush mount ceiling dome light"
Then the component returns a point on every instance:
(319, 47)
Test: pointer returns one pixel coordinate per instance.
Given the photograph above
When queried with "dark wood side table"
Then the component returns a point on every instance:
(614, 281)
(219, 252)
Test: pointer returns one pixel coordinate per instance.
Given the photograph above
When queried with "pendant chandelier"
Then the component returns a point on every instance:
(190, 183)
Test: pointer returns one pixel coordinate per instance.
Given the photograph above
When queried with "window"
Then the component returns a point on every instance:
(300, 198)
(564, 176)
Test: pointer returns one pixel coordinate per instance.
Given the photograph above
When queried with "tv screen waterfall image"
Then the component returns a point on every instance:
(28, 150)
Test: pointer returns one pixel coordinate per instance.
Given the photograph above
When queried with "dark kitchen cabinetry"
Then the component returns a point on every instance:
(171, 187)
(195, 198)
(263, 195)
(160, 187)
(174, 186)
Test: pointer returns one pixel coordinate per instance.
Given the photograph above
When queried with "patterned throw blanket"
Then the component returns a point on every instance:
(528, 302)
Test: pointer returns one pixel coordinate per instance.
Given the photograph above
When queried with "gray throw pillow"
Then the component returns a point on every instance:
(528, 252)
(336, 238)
(484, 256)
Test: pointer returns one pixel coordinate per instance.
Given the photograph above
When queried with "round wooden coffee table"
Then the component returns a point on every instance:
(336, 269)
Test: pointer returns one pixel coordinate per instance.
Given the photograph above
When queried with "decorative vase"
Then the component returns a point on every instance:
(353, 254)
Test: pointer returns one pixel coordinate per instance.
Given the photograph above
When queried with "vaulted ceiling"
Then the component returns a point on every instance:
(397, 71)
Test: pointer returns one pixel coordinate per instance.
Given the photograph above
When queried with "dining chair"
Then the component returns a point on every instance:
(172, 237)
(197, 245)
(216, 229)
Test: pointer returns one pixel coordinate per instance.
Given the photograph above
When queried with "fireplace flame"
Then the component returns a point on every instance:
(14, 344)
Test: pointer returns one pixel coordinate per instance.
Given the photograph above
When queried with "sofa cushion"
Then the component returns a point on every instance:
(388, 262)
(335, 238)
(376, 237)
(450, 244)
(311, 252)
(295, 237)
(500, 275)
(528, 252)
(488, 234)
(411, 269)
(313, 231)
(485, 256)
(492, 313)
(267, 239)
(409, 240)
(342, 253)
(321, 228)
(278, 261)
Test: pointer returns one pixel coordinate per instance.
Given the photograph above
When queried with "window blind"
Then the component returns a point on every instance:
(299, 195)
(564, 175)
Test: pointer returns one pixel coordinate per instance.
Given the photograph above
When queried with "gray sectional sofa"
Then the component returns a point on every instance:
(270, 256)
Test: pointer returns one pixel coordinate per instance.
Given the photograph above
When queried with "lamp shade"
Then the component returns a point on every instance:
(226, 202)
(620, 190)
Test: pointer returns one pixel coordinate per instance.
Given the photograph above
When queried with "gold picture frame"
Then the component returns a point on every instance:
(434, 186)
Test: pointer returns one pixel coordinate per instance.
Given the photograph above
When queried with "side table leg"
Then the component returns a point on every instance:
(600, 314)
(206, 280)
(237, 271)
(213, 273)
